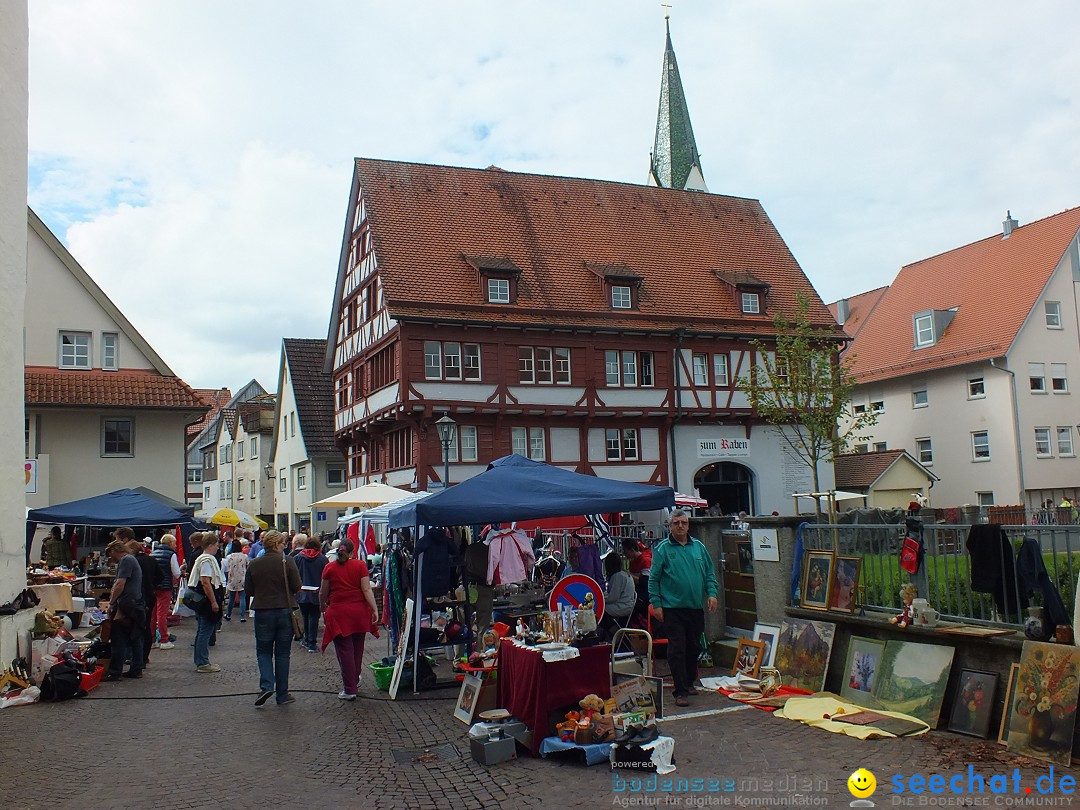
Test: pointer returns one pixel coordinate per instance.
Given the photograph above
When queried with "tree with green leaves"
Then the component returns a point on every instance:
(801, 386)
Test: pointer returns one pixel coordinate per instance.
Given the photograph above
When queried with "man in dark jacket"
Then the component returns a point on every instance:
(151, 576)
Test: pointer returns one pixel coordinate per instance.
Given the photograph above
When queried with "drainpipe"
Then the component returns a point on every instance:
(678, 333)
(1016, 426)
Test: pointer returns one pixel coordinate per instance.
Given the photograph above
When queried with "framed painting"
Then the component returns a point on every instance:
(1006, 713)
(817, 575)
(744, 553)
(973, 702)
(748, 657)
(803, 650)
(467, 697)
(861, 669)
(844, 591)
(1044, 702)
(913, 679)
(767, 634)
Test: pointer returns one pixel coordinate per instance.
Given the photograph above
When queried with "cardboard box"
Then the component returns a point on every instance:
(492, 752)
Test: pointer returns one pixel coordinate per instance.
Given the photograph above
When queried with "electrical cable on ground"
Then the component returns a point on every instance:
(256, 694)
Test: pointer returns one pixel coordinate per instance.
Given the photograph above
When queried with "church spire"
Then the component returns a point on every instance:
(675, 160)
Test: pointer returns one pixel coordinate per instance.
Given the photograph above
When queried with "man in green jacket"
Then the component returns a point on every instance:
(682, 583)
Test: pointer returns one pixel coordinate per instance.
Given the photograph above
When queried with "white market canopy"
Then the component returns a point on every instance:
(378, 514)
(365, 497)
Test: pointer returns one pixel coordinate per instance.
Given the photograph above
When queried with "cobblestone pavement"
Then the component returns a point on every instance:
(128, 745)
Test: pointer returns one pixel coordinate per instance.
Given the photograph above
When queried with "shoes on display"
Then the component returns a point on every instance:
(208, 668)
(645, 736)
(343, 695)
(263, 697)
(168, 645)
(627, 734)
(288, 699)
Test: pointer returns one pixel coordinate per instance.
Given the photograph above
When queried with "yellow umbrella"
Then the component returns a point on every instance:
(231, 517)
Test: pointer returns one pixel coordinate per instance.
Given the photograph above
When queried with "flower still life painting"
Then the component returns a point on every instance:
(803, 651)
(1044, 702)
(861, 670)
(973, 702)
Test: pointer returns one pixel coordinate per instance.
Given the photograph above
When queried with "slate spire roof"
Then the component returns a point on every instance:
(675, 161)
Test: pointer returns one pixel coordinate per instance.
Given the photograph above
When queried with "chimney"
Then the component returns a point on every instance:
(843, 311)
(1009, 225)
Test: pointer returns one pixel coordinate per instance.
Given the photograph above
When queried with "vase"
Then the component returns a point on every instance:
(1040, 728)
(1033, 627)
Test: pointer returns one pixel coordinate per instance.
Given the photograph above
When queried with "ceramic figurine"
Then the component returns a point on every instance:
(907, 615)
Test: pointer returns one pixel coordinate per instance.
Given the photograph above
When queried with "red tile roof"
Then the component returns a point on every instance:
(108, 389)
(429, 221)
(215, 399)
(994, 283)
(859, 308)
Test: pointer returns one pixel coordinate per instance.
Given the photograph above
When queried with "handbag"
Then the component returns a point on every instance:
(294, 611)
(911, 554)
(195, 599)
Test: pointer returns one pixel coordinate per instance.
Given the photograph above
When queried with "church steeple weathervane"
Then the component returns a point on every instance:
(675, 162)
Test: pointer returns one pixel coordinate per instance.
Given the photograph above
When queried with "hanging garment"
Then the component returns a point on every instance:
(547, 572)
(590, 565)
(510, 556)
(1032, 576)
(993, 569)
(436, 548)
(476, 562)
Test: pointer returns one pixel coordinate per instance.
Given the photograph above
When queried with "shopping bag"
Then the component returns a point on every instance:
(180, 609)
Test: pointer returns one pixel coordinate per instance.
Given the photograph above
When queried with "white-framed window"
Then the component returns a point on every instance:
(292, 423)
(877, 405)
(206, 492)
(880, 447)
(498, 290)
(562, 366)
(859, 408)
(920, 398)
(976, 388)
(984, 498)
(720, 370)
(468, 442)
(622, 444)
(194, 476)
(628, 369)
(432, 360)
(1037, 378)
(526, 364)
(620, 297)
(283, 481)
(117, 437)
(862, 448)
(74, 350)
(110, 359)
(1042, 442)
(335, 476)
(980, 445)
(528, 442)
(924, 451)
(751, 303)
(240, 450)
(544, 366)
(701, 369)
(1065, 441)
(783, 371)
(451, 360)
(924, 329)
(253, 451)
(1053, 314)
(544, 370)
(221, 490)
(470, 361)
(1059, 378)
(228, 489)
(254, 488)
(301, 477)
(240, 489)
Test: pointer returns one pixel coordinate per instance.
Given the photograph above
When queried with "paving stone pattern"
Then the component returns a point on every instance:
(128, 745)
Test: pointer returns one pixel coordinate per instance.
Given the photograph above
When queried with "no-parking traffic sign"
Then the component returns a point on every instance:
(572, 590)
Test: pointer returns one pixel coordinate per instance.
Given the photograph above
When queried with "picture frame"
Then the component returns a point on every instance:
(861, 669)
(468, 697)
(973, 703)
(744, 556)
(816, 579)
(844, 588)
(1006, 713)
(769, 635)
(1044, 702)
(748, 657)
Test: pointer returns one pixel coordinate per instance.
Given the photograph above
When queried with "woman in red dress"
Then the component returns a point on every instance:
(349, 614)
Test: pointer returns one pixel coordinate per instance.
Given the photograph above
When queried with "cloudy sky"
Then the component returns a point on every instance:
(195, 156)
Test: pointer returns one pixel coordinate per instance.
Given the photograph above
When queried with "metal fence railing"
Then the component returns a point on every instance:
(945, 575)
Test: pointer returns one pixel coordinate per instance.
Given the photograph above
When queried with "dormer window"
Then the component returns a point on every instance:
(620, 296)
(621, 285)
(498, 278)
(751, 293)
(751, 303)
(924, 330)
(929, 326)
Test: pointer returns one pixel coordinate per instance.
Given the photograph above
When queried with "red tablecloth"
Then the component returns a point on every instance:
(530, 688)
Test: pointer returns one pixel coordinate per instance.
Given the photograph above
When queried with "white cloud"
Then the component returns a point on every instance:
(196, 157)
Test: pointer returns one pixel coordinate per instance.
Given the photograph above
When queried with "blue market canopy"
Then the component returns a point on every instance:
(124, 507)
(516, 488)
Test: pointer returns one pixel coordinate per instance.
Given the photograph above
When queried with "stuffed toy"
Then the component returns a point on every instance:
(907, 615)
(591, 704)
(568, 727)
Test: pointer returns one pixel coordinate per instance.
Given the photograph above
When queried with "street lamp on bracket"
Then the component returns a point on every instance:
(447, 429)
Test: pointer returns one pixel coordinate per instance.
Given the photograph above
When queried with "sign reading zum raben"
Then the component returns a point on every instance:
(723, 448)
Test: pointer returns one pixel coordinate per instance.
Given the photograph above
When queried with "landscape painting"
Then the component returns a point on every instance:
(861, 670)
(912, 679)
(803, 651)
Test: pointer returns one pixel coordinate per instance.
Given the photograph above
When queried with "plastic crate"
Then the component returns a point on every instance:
(384, 672)
(88, 680)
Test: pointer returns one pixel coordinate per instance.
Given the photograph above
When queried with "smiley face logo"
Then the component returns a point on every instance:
(862, 784)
